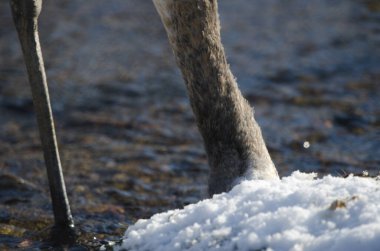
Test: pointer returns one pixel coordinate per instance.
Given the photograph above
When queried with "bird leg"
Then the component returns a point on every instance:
(25, 16)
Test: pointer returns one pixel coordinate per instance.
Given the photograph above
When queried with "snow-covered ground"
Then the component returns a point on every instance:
(300, 212)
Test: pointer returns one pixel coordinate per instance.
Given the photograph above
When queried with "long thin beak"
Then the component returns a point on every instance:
(25, 15)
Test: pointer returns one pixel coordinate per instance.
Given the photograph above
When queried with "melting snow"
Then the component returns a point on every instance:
(299, 212)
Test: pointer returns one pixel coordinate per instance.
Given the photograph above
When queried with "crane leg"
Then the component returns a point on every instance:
(25, 15)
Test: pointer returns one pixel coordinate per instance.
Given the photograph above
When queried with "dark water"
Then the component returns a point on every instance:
(127, 136)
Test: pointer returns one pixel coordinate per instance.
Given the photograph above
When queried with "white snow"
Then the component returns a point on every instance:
(298, 212)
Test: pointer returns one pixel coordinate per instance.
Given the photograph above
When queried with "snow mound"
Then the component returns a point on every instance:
(299, 212)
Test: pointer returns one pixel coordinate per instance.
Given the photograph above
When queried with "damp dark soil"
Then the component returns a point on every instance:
(128, 139)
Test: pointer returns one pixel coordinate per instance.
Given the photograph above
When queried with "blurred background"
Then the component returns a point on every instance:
(127, 136)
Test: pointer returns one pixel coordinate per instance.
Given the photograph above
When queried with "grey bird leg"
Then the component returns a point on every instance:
(25, 15)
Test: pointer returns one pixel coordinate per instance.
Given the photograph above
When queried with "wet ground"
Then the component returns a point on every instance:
(127, 136)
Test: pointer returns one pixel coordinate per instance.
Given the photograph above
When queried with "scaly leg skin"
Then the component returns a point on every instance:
(25, 16)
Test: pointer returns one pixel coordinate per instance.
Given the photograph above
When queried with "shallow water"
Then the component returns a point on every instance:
(127, 136)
